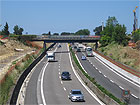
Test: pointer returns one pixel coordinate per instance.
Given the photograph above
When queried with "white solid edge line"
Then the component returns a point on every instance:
(134, 96)
(42, 93)
(80, 63)
(105, 76)
(117, 73)
(112, 81)
(121, 87)
(43, 72)
(100, 71)
(80, 80)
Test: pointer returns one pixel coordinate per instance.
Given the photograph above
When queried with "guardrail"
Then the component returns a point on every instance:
(68, 38)
(20, 81)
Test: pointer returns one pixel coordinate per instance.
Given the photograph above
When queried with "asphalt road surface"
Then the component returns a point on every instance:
(46, 87)
(108, 79)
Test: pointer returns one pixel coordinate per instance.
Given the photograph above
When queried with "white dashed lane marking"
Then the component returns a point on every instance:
(100, 72)
(112, 81)
(105, 76)
(64, 88)
(60, 77)
(61, 82)
(121, 87)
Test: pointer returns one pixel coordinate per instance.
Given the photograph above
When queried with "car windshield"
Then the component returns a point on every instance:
(65, 73)
(76, 92)
(50, 56)
(89, 49)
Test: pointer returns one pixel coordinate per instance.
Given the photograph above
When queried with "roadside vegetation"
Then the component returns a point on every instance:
(114, 43)
(93, 80)
(124, 55)
(12, 76)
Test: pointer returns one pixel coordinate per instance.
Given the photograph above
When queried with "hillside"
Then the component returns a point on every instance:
(11, 50)
(125, 55)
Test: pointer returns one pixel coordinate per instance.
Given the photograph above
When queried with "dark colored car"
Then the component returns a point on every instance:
(75, 47)
(78, 50)
(66, 75)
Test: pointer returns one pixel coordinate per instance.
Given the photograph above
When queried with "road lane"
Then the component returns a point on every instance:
(102, 79)
(117, 79)
(55, 90)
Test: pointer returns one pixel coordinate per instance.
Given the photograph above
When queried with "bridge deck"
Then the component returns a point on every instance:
(67, 39)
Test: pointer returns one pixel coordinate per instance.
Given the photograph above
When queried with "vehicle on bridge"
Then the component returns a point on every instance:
(51, 56)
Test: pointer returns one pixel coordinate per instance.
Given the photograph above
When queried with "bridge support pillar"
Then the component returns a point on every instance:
(96, 46)
(44, 45)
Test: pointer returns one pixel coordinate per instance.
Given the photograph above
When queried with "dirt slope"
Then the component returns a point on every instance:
(125, 55)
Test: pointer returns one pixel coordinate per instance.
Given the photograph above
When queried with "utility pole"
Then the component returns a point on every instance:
(102, 26)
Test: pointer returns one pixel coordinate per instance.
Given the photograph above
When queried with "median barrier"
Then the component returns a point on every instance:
(103, 97)
(21, 79)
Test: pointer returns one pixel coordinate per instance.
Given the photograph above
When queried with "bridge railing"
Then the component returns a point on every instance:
(72, 37)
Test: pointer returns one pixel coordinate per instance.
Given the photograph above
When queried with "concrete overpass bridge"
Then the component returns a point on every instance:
(68, 39)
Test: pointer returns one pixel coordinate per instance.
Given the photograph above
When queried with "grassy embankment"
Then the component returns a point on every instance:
(94, 82)
(13, 75)
(124, 55)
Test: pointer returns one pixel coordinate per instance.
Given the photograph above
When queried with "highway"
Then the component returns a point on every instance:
(46, 87)
(108, 79)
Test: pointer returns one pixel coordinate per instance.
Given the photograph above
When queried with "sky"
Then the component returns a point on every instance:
(42, 16)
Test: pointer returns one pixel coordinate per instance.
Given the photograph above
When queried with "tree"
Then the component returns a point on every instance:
(111, 21)
(105, 40)
(119, 34)
(18, 30)
(5, 30)
(49, 33)
(56, 34)
(98, 30)
(136, 35)
(65, 33)
(83, 32)
(114, 32)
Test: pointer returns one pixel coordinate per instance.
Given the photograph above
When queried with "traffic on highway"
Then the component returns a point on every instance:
(58, 83)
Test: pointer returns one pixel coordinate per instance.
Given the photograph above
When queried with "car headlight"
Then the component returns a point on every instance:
(73, 97)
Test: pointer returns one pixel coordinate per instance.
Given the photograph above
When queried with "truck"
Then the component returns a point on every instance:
(89, 52)
(51, 56)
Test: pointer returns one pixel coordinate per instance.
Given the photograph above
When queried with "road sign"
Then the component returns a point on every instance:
(126, 95)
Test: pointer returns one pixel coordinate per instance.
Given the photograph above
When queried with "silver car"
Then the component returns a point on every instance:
(76, 95)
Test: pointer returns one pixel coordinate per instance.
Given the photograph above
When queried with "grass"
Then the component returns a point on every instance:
(11, 78)
(124, 55)
(94, 82)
